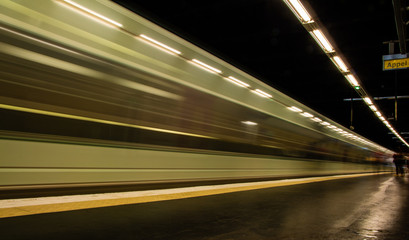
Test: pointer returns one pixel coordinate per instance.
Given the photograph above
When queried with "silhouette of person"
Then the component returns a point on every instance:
(399, 161)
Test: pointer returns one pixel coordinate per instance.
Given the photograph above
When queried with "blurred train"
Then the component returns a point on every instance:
(91, 93)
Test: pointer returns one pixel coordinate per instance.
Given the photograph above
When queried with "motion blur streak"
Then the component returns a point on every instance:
(55, 114)
(46, 60)
(85, 104)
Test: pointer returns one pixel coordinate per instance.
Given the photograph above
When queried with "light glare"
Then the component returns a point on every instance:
(97, 15)
(308, 115)
(205, 66)
(249, 123)
(237, 81)
(294, 109)
(316, 119)
(160, 45)
(262, 93)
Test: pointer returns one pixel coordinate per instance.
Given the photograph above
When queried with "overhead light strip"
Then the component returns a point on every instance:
(322, 40)
(299, 11)
(313, 28)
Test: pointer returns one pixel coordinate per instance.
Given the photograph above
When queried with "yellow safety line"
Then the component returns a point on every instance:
(70, 206)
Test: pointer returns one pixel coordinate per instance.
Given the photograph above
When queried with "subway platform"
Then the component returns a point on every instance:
(340, 207)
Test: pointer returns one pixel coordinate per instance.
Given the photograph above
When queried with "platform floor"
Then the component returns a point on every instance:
(370, 207)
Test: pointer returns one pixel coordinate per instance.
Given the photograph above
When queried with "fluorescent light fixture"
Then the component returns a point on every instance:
(316, 119)
(249, 123)
(352, 80)
(331, 127)
(237, 81)
(299, 10)
(368, 101)
(294, 109)
(92, 13)
(382, 118)
(325, 123)
(308, 115)
(373, 108)
(378, 114)
(340, 64)
(262, 93)
(205, 66)
(322, 40)
(159, 45)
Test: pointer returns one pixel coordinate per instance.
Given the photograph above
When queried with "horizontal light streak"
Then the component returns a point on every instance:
(316, 119)
(237, 81)
(89, 119)
(250, 123)
(160, 45)
(294, 109)
(262, 93)
(307, 115)
(91, 13)
(205, 66)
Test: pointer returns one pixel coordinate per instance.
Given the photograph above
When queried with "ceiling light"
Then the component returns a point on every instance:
(340, 64)
(262, 93)
(368, 101)
(373, 108)
(352, 80)
(237, 81)
(91, 13)
(159, 45)
(205, 66)
(322, 40)
(378, 114)
(299, 10)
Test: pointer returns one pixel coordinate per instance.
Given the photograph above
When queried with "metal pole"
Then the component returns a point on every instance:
(352, 113)
(396, 95)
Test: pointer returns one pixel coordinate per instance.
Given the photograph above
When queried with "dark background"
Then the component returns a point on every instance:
(265, 39)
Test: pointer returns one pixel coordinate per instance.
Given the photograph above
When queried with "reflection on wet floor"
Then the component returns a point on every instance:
(373, 207)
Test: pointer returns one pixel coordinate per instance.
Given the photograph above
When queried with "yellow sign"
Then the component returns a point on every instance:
(396, 64)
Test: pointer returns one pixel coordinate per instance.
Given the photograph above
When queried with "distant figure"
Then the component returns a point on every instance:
(399, 161)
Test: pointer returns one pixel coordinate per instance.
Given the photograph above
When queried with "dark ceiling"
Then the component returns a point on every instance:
(265, 39)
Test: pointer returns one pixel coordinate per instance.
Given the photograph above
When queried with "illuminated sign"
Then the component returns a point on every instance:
(395, 62)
